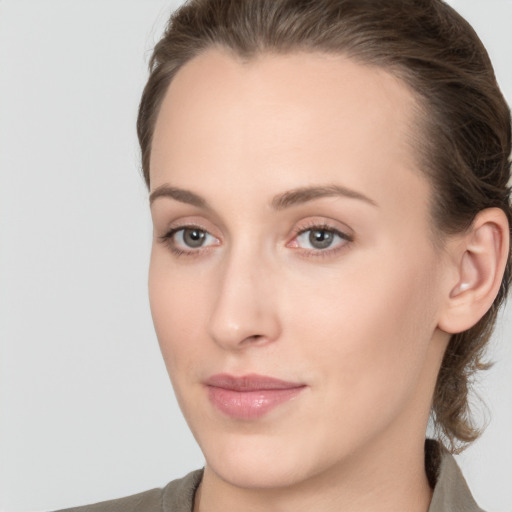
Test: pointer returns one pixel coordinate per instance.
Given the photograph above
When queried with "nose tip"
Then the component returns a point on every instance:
(244, 313)
(234, 335)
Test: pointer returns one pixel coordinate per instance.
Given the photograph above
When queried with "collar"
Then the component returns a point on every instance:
(451, 492)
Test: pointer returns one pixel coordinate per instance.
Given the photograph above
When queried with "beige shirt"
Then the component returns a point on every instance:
(451, 493)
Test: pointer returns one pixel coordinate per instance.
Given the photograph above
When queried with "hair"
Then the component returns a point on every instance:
(463, 140)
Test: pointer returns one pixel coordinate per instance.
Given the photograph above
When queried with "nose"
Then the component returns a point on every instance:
(245, 312)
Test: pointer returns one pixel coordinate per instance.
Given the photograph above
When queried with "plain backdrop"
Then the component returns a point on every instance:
(86, 409)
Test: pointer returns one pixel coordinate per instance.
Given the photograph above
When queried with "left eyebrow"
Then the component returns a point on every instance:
(280, 202)
(305, 194)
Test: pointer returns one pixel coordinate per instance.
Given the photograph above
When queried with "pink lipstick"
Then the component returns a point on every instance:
(250, 396)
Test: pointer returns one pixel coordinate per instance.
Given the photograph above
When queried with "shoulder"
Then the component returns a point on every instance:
(451, 492)
(148, 501)
(176, 496)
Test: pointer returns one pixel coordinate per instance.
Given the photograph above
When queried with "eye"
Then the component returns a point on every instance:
(320, 238)
(189, 239)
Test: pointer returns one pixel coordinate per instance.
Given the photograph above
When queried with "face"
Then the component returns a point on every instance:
(294, 284)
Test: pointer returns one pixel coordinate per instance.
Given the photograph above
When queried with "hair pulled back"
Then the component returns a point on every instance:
(464, 135)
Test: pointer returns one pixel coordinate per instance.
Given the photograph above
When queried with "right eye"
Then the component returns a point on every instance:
(189, 239)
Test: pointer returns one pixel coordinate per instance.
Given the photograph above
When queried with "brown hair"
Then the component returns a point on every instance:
(464, 143)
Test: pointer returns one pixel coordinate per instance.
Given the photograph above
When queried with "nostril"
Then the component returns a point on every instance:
(255, 339)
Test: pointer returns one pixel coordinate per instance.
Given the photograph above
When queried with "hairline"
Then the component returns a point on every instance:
(418, 122)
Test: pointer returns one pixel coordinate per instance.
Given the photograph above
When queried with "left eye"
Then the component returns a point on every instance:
(320, 238)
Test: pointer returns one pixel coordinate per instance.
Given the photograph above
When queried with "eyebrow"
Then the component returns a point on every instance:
(280, 202)
(178, 194)
(305, 194)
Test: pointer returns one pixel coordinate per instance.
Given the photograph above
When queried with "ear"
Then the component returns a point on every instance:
(479, 259)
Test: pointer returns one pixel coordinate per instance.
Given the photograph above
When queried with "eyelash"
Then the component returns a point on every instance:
(168, 239)
(322, 253)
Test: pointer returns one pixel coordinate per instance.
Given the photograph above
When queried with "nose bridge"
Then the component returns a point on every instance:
(244, 311)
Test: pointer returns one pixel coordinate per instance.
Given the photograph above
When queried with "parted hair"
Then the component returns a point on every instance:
(463, 138)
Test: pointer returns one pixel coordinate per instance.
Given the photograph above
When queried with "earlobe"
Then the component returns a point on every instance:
(480, 263)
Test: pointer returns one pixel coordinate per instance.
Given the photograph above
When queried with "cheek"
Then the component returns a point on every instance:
(177, 305)
(369, 329)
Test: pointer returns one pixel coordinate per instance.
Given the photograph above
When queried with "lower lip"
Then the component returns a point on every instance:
(249, 405)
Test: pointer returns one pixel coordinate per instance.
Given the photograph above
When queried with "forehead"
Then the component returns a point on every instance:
(303, 117)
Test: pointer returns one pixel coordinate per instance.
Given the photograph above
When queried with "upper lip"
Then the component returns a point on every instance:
(252, 382)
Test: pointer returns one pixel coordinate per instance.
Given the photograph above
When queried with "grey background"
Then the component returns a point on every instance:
(86, 410)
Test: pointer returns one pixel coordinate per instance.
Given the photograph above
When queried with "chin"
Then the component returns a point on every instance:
(257, 474)
(260, 462)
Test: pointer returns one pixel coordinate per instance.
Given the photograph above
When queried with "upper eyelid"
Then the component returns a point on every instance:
(173, 230)
(320, 227)
(176, 226)
(345, 237)
(327, 225)
(207, 221)
(296, 230)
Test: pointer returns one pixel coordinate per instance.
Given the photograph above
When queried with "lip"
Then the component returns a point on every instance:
(251, 396)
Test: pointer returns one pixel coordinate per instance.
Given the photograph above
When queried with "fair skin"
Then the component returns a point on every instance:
(360, 323)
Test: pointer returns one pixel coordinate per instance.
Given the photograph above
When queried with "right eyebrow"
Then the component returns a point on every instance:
(178, 194)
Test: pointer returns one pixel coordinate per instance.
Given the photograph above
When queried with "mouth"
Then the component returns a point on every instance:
(250, 396)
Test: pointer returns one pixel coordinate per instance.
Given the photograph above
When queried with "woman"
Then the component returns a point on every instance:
(328, 187)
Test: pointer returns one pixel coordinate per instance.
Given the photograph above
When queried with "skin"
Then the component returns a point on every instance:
(356, 323)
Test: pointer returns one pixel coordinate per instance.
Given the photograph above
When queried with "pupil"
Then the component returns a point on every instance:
(320, 238)
(194, 237)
